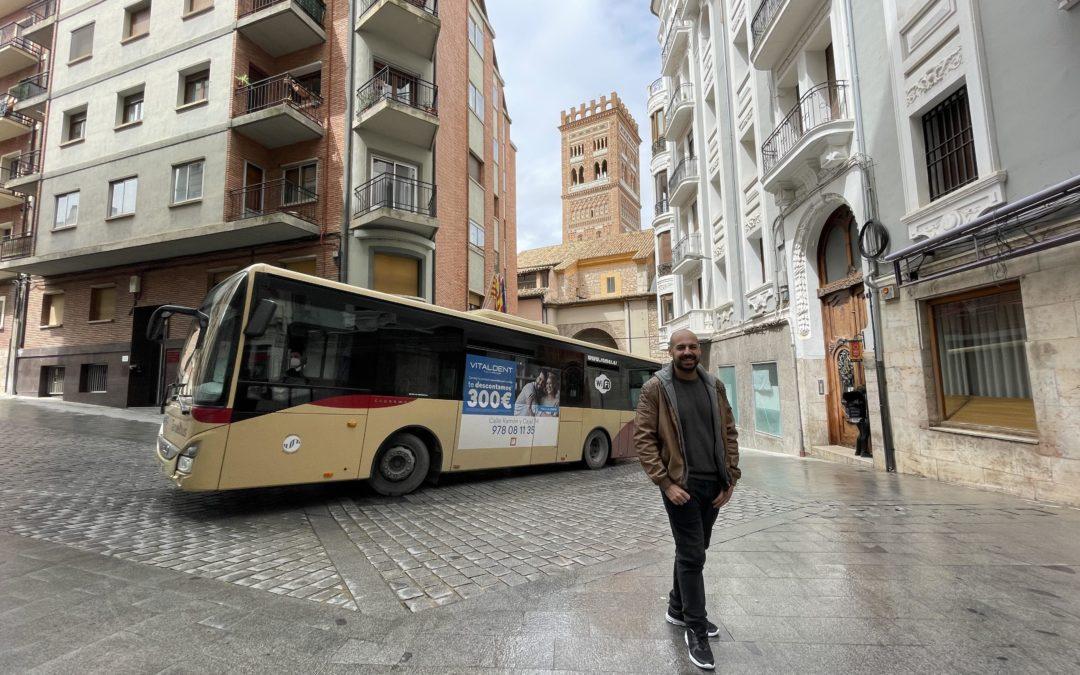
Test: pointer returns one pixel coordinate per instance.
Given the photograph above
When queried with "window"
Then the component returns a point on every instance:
(137, 21)
(304, 265)
(766, 381)
(187, 181)
(726, 375)
(103, 303)
(301, 183)
(838, 248)
(476, 234)
(476, 101)
(396, 274)
(609, 284)
(192, 6)
(527, 280)
(980, 364)
(476, 36)
(476, 169)
(3, 311)
(52, 309)
(52, 381)
(82, 43)
(122, 196)
(67, 210)
(75, 125)
(950, 146)
(93, 378)
(667, 308)
(196, 86)
(131, 108)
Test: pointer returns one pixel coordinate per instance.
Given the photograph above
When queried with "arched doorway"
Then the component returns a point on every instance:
(843, 317)
(596, 336)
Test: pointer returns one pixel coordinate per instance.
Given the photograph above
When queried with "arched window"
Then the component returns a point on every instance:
(838, 247)
(573, 176)
(581, 174)
(603, 168)
(596, 170)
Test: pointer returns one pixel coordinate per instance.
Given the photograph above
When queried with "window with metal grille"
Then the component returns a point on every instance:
(94, 378)
(950, 146)
(52, 380)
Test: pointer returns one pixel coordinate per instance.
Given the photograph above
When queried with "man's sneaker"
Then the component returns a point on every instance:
(714, 630)
(699, 651)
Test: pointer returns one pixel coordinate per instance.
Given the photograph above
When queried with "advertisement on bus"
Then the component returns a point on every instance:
(506, 405)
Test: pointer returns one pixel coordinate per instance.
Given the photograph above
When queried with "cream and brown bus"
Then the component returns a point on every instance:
(287, 378)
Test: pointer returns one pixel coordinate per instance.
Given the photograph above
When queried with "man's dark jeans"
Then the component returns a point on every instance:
(691, 525)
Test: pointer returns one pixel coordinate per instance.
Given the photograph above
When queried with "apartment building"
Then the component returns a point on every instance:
(181, 141)
(888, 209)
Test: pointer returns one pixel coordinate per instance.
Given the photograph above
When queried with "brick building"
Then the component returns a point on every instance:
(598, 285)
(238, 121)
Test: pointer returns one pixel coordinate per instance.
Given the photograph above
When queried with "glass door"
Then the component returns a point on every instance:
(395, 184)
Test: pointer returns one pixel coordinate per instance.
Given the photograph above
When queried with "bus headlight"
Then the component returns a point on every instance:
(184, 464)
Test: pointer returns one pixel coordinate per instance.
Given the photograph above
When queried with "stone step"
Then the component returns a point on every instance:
(840, 454)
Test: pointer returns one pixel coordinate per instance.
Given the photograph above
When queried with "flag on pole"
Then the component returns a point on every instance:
(495, 294)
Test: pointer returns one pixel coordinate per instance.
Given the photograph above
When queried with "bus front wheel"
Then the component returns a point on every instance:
(401, 466)
(597, 450)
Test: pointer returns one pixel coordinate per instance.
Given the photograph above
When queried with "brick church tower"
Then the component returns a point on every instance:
(600, 181)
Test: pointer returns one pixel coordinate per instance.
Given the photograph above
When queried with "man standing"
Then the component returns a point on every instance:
(687, 442)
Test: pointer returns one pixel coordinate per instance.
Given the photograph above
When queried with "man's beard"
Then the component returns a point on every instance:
(687, 363)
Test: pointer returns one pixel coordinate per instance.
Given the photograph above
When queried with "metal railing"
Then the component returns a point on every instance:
(392, 85)
(11, 36)
(663, 269)
(657, 86)
(274, 196)
(315, 9)
(685, 171)
(277, 90)
(26, 164)
(659, 145)
(396, 192)
(662, 206)
(763, 18)
(29, 87)
(16, 246)
(38, 12)
(684, 93)
(822, 104)
(7, 110)
(429, 6)
(669, 39)
(688, 247)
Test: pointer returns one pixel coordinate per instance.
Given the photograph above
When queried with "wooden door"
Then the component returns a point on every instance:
(843, 319)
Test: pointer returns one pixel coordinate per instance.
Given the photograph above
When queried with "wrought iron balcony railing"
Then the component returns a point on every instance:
(685, 171)
(29, 87)
(688, 247)
(429, 6)
(11, 36)
(391, 85)
(763, 17)
(315, 9)
(7, 110)
(659, 145)
(822, 104)
(663, 269)
(657, 86)
(396, 192)
(662, 206)
(275, 196)
(684, 93)
(277, 90)
(16, 246)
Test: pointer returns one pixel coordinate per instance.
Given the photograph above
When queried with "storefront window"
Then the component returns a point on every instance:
(766, 381)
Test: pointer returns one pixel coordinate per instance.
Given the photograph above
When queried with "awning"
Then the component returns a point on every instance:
(1044, 220)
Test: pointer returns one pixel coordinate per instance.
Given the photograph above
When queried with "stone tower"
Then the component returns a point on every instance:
(600, 181)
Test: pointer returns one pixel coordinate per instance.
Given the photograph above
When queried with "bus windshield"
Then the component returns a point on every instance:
(204, 372)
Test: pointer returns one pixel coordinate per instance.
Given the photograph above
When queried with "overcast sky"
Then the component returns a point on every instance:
(556, 54)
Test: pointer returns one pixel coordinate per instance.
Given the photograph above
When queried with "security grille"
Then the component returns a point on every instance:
(54, 380)
(950, 147)
(94, 378)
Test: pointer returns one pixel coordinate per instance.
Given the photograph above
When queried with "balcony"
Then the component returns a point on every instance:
(662, 216)
(12, 124)
(680, 110)
(31, 94)
(688, 254)
(278, 111)
(659, 146)
(812, 132)
(412, 24)
(395, 202)
(700, 321)
(8, 197)
(16, 246)
(398, 106)
(675, 43)
(663, 269)
(16, 52)
(684, 181)
(656, 94)
(40, 23)
(282, 27)
(775, 27)
(23, 174)
(660, 156)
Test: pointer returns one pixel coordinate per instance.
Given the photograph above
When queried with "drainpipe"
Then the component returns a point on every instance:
(871, 279)
(347, 178)
(18, 322)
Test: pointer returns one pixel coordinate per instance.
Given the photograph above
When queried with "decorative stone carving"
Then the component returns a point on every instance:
(815, 212)
(753, 224)
(934, 75)
(761, 300)
(725, 315)
(720, 250)
(957, 208)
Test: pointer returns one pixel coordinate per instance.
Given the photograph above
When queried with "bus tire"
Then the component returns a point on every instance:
(597, 449)
(401, 466)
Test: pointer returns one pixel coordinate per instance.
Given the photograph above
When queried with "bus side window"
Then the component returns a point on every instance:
(638, 378)
(572, 384)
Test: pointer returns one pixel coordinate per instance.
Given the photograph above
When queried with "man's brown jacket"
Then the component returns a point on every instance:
(658, 434)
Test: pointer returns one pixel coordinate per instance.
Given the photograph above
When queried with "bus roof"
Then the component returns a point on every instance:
(512, 322)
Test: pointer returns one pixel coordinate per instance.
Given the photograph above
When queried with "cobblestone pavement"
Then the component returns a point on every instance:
(432, 548)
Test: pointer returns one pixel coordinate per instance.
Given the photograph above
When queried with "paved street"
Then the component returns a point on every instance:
(814, 567)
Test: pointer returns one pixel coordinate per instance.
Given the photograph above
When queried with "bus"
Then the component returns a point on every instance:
(286, 378)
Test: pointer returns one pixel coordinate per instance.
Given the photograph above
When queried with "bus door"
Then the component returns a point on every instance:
(609, 399)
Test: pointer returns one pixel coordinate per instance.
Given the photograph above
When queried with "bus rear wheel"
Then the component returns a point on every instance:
(401, 466)
(597, 450)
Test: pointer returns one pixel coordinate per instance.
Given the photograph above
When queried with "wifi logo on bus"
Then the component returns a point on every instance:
(602, 383)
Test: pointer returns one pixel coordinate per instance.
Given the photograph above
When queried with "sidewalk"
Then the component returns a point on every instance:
(149, 415)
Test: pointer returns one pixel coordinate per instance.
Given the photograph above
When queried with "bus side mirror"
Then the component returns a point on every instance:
(155, 328)
(260, 318)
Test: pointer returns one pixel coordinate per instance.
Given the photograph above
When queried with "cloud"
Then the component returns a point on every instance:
(555, 55)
